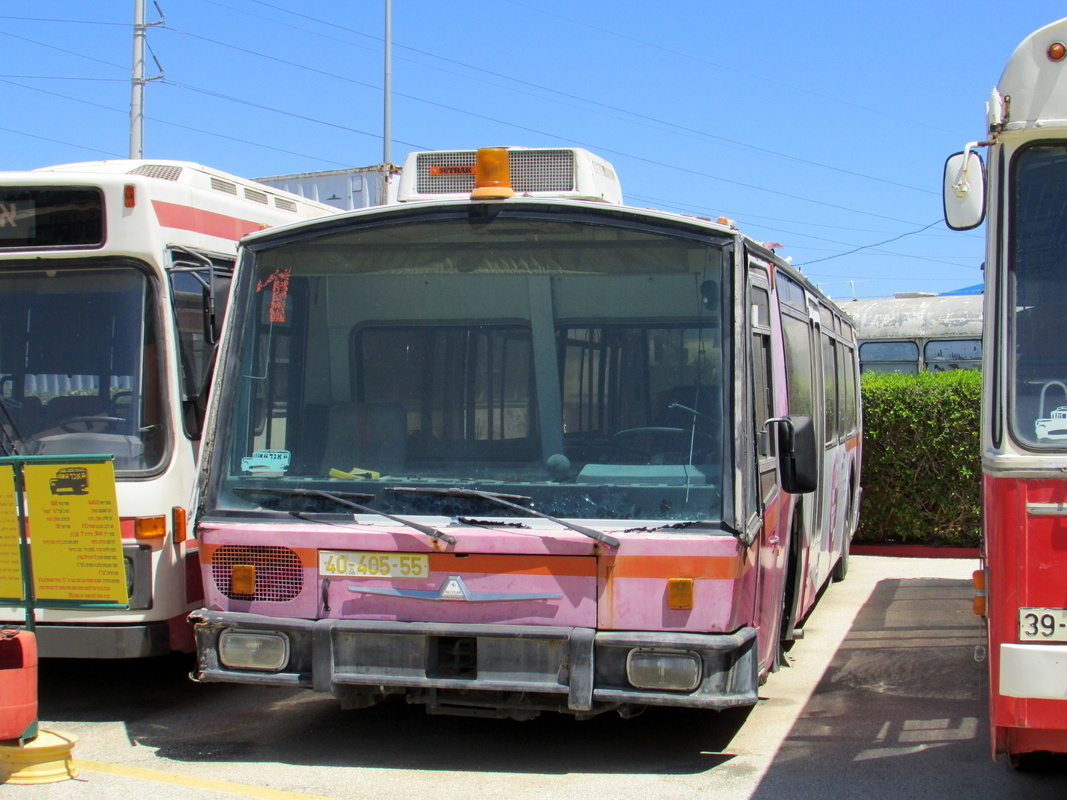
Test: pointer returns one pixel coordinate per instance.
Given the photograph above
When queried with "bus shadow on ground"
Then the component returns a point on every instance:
(160, 708)
(902, 709)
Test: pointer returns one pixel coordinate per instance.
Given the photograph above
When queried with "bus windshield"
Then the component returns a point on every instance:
(564, 358)
(1038, 215)
(78, 369)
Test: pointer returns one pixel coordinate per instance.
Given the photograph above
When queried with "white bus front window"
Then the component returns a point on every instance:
(78, 360)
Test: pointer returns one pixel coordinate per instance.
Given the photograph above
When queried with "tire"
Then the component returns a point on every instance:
(841, 567)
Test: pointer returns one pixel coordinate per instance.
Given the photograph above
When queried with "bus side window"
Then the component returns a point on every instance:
(762, 396)
(829, 363)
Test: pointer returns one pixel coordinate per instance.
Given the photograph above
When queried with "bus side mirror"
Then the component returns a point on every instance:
(215, 299)
(798, 457)
(964, 190)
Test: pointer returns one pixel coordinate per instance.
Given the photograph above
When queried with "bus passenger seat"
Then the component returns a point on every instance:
(365, 436)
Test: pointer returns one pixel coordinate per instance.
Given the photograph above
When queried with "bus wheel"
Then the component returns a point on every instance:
(841, 567)
(1039, 761)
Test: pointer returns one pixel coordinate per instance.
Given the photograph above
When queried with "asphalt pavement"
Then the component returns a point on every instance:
(885, 696)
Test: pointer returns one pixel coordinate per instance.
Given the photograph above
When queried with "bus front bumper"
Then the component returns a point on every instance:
(86, 640)
(577, 670)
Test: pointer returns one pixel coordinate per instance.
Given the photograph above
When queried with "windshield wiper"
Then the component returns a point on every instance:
(9, 431)
(506, 501)
(673, 526)
(340, 499)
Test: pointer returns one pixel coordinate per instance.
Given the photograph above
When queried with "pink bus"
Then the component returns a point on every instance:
(510, 446)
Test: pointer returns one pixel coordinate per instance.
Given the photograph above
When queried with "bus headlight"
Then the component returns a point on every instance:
(253, 650)
(669, 670)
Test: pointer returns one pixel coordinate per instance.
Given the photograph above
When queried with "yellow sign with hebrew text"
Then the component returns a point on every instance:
(75, 540)
(10, 561)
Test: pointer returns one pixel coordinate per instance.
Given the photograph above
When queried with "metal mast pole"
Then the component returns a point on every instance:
(387, 133)
(137, 101)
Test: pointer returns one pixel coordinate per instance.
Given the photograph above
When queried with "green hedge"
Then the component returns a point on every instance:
(922, 466)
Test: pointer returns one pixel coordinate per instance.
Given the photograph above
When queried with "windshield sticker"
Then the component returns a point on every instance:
(266, 461)
(279, 283)
(356, 473)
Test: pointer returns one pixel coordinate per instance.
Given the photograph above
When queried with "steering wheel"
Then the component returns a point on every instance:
(651, 440)
(116, 424)
(120, 401)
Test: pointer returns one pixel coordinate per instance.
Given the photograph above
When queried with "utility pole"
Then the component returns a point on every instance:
(137, 101)
(139, 79)
(387, 133)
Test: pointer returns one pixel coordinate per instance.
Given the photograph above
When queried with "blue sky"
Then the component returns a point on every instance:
(820, 126)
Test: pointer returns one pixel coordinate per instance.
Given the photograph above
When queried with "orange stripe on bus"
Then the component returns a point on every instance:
(309, 559)
(705, 567)
(567, 566)
(645, 566)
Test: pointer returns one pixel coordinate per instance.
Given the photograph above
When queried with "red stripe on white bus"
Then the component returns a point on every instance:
(172, 215)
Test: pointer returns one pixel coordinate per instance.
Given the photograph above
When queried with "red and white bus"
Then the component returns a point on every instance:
(114, 277)
(1024, 414)
(509, 446)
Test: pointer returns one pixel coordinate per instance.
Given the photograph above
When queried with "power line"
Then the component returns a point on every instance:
(72, 21)
(274, 110)
(162, 122)
(59, 141)
(61, 50)
(730, 68)
(657, 122)
(65, 78)
(452, 108)
(868, 246)
(502, 122)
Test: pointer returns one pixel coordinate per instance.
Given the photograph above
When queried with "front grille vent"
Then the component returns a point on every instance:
(452, 172)
(278, 573)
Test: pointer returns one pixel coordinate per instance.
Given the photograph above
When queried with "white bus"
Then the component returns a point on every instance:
(114, 277)
(913, 333)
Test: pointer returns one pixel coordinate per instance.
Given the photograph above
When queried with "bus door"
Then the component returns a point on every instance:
(828, 507)
(814, 504)
(773, 551)
(802, 329)
(200, 290)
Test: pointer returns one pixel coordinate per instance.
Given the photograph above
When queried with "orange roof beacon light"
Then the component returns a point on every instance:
(1057, 51)
(492, 174)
